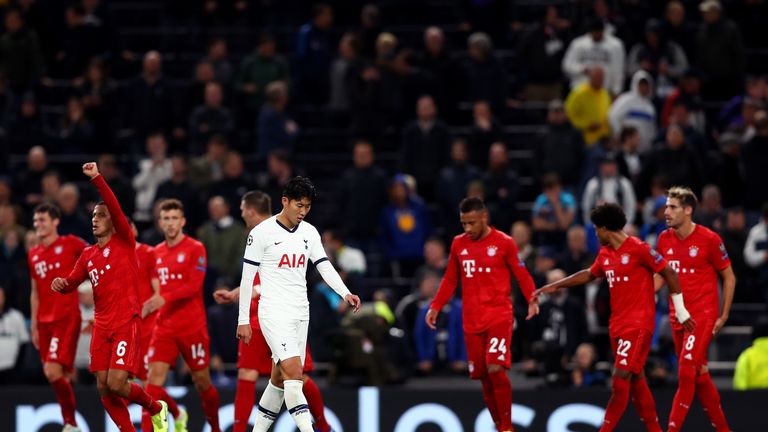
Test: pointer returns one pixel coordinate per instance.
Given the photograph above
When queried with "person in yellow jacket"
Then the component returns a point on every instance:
(752, 366)
(587, 107)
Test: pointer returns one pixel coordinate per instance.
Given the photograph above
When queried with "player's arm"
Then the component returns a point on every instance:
(226, 296)
(329, 273)
(523, 277)
(119, 221)
(729, 287)
(445, 290)
(254, 251)
(34, 304)
(78, 274)
(579, 278)
(194, 286)
(676, 294)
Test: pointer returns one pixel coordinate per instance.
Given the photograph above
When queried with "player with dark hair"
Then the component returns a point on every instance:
(254, 358)
(112, 268)
(698, 255)
(628, 265)
(55, 318)
(278, 250)
(181, 326)
(484, 259)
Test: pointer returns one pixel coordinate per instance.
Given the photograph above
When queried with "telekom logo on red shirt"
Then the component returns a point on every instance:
(162, 274)
(292, 261)
(469, 267)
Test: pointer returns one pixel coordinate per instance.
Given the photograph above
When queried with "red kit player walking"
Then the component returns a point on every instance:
(181, 326)
(698, 255)
(628, 264)
(55, 317)
(485, 259)
(255, 358)
(113, 271)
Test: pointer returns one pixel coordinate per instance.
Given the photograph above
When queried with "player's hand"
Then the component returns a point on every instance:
(533, 308)
(244, 333)
(353, 301)
(152, 304)
(689, 325)
(223, 296)
(719, 324)
(431, 318)
(91, 169)
(546, 289)
(35, 337)
(59, 284)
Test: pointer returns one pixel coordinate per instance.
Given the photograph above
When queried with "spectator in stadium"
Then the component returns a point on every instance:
(234, 182)
(734, 234)
(545, 261)
(363, 195)
(435, 259)
(543, 47)
(522, 235)
(652, 228)
(425, 146)
(554, 210)
(180, 188)
(756, 89)
(684, 114)
(675, 160)
(121, 186)
(635, 108)
(9, 222)
(627, 156)
(6, 192)
(659, 186)
(486, 78)
(502, 186)
(211, 118)
(28, 181)
(710, 211)
(609, 187)
(413, 83)
(99, 93)
(688, 94)
(452, 184)
(207, 168)
(280, 170)
(485, 131)
(663, 59)
(596, 49)
(51, 184)
(275, 129)
(73, 219)
(719, 52)
(449, 331)
(149, 99)
(751, 371)
(754, 156)
(13, 334)
(218, 55)
(25, 129)
(76, 131)
(587, 107)
(675, 27)
(347, 258)
(445, 70)
(405, 226)
(756, 251)
(348, 52)
(193, 93)
(576, 256)
(21, 57)
(258, 70)
(561, 147)
(77, 43)
(313, 55)
(153, 171)
(584, 373)
(223, 237)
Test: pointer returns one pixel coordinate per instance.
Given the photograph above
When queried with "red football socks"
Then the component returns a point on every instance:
(66, 397)
(502, 395)
(138, 396)
(159, 393)
(490, 401)
(117, 411)
(616, 404)
(245, 398)
(644, 404)
(683, 398)
(709, 398)
(316, 404)
(210, 398)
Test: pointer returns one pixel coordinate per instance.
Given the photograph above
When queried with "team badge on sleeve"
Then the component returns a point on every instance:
(723, 252)
(250, 240)
(656, 257)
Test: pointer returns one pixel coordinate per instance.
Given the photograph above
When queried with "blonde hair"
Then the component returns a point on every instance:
(683, 194)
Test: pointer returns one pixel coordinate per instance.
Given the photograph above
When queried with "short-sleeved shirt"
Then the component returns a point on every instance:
(48, 263)
(282, 256)
(542, 207)
(629, 271)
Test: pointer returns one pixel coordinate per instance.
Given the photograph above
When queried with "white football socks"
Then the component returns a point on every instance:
(269, 407)
(297, 405)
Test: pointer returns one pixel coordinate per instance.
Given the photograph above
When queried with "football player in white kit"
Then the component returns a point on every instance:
(279, 249)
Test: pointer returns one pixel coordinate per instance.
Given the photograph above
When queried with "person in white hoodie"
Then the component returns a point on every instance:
(634, 108)
(596, 48)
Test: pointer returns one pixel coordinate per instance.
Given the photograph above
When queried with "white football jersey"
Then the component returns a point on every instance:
(282, 256)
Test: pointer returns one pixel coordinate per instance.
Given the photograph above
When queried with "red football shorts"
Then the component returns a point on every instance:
(256, 355)
(194, 348)
(691, 347)
(118, 348)
(147, 329)
(58, 341)
(631, 350)
(489, 347)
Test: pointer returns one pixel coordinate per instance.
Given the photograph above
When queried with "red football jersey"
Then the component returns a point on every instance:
(112, 269)
(697, 259)
(629, 271)
(485, 267)
(255, 305)
(48, 263)
(181, 271)
(145, 254)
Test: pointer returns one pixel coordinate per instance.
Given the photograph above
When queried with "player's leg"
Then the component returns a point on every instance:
(195, 348)
(620, 386)
(497, 362)
(642, 398)
(476, 343)
(691, 353)
(245, 398)
(163, 352)
(709, 398)
(208, 395)
(253, 360)
(113, 404)
(271, 401)
(58, 344)
(313, 395)
(292, 371)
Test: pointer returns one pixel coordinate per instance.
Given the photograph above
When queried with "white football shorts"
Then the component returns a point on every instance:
(286, 337)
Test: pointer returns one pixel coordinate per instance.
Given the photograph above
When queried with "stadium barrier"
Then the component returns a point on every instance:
(370, 409)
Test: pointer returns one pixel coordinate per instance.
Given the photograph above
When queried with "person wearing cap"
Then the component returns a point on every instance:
(635, 108)
(719, 52)
(663, 59)
(587, 107)
(609, 187)
(594, 49)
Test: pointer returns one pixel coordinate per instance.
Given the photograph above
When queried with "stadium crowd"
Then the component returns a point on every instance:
(397, 111)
